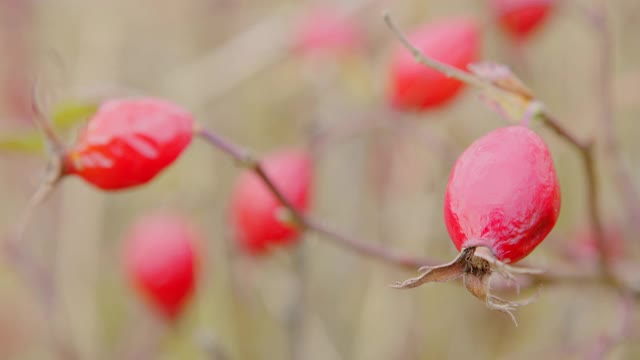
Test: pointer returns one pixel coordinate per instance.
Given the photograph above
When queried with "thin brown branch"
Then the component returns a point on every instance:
(553, 124)
(245, 159)
(593, 201)
(382, 253)
(367, 248)
(53, 173)
(52, 139)
(447, 70)
(35, 276)
(43, 191)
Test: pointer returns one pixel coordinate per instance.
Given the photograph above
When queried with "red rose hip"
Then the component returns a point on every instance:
(254, 209)
(161, 261)
(414, 86)
(128, 142)
(520, 18)
(501, 201)
(503, 194)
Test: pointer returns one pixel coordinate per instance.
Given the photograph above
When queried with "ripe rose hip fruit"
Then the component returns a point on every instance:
(520, 18)
(325, 32)
(255, 211)
(503, 194)
(161, 261)
(501, 201)
(128, 142)
(413, 86)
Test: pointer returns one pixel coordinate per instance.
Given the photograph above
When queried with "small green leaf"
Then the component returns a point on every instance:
(24, 143)
(64, 117)
(70, 113)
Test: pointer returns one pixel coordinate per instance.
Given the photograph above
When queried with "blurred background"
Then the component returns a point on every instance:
(379, 175)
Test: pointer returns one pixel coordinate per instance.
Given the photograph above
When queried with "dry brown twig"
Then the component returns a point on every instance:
(245, 159)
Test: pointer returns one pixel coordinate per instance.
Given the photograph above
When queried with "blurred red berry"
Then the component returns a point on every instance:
(520, 18)
(503, 194)
(161, 261)
(254, 209)
(324, 32)
(413, 86)
(128, 142)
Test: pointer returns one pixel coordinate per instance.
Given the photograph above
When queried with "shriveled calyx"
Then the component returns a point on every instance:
(502, 200)
(475, 265)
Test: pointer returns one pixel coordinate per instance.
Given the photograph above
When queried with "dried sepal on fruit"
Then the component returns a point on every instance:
(475, 266)
(502, 200)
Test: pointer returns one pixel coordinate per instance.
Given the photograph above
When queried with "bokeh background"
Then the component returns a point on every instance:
(380, 176)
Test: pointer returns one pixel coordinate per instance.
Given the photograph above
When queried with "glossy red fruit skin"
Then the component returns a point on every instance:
(413, 86)
(520, 18)
(161, 261)
(254, 210)
(323, 32)
(129, 141)
(503, 193)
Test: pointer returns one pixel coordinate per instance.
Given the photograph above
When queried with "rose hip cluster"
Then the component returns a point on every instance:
(501, 201)
(127, 143)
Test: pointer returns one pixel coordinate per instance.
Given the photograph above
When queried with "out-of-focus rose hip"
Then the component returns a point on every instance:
(161, 261)
(414, 86)
(521, 18)
(128, 142)
(255, 211)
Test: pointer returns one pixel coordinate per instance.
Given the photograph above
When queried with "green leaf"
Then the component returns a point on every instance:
(24, 143)
(70, 113)
(64, 117)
